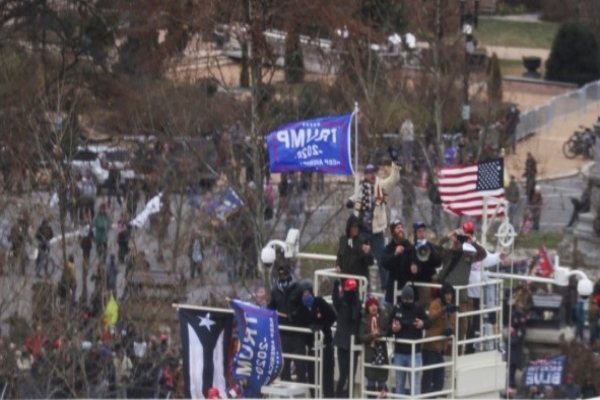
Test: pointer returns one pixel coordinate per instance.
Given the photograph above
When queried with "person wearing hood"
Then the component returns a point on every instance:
(354, 252)
(280, 301)
(397, 259)
(348, 308)
(314, 312)
(442, 313)
(407, 321)
(372, 327)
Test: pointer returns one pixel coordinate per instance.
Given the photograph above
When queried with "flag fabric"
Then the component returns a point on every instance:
(225, 204)
(316, 145)
(463, 187)
(544, 267)
(259, 358)
(152, 207)
(545, 372)
(205, 338)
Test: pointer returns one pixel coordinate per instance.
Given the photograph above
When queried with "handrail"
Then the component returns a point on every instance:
(363, 282)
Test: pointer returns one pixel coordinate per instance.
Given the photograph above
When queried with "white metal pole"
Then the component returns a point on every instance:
(356, 180)
(484, 223)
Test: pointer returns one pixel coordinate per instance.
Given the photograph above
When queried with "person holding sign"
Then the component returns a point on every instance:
(370, 208)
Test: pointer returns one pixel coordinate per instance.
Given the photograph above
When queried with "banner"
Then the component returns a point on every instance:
(258, 360)
(224, 204)
(545, 372)
(152, 207)
(205, 340)
(316, 145)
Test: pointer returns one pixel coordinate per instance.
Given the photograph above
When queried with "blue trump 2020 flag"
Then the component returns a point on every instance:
(315, 145)
(258, 360)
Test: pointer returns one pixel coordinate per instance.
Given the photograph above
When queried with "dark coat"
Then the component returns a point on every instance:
(426, 269)
(398, 266)
(348, 310)
(321, 316)
(280, 301)
(408, 330)
(350, 256)
(457, 266)
(516, 339)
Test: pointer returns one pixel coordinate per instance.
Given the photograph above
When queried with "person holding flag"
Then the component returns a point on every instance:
(370, 208)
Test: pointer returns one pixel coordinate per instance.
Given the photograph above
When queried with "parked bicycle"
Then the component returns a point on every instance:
(43, 261)
(580, 143)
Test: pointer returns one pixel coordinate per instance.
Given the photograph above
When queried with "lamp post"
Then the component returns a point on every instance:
(466, 28)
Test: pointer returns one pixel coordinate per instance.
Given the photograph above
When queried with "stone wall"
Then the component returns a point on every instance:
(536, 86)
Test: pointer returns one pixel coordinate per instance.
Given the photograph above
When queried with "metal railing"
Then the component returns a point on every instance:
(542, 117)
(316, 358)
(411, 371)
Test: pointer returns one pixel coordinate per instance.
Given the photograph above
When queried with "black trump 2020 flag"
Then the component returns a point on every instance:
(206, 339)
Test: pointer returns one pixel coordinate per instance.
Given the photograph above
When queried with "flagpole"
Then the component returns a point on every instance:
(356, 181)
(484, 222)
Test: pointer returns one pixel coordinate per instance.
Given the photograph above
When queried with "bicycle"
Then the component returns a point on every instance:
(43, 260)
(580, 143)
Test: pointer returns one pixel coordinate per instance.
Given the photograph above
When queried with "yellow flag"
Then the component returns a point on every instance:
(111, 311)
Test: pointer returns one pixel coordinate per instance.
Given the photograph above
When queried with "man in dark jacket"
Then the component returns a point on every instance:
(280, 301)
(348, 310)
(407, 321)
(315, 313)
(459, 251)
(354, 254)
(398, 256)
(427, 259)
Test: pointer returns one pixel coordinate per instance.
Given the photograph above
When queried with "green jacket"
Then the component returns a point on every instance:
(457, 265)
(102, 226)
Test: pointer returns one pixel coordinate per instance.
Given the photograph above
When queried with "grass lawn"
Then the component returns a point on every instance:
(534, 240)
(496, 32)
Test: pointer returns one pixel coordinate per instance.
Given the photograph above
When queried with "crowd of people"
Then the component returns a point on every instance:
(406, 315)
(101, 362)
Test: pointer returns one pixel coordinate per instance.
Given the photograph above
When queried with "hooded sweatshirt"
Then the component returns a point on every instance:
(407, 313)
(350, 256)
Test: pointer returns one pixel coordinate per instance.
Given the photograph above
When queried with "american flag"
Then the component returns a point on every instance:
(463, 187)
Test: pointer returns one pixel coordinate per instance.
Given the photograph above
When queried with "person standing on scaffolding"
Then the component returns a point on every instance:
(370, 208)
(407, 321)
(348, 308)
(459, 251)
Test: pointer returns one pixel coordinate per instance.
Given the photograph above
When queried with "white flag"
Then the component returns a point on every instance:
(152, 207)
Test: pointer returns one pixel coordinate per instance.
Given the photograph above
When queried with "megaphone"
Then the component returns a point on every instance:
(423, 251)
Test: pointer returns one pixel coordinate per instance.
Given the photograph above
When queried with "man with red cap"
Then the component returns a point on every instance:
(459, 251)
(348, 308)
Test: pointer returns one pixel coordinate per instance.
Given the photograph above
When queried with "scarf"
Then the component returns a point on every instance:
(373, 325)
(371, 195)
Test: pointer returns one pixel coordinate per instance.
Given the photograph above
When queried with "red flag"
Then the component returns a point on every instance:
(545, 267)
(463, 187)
